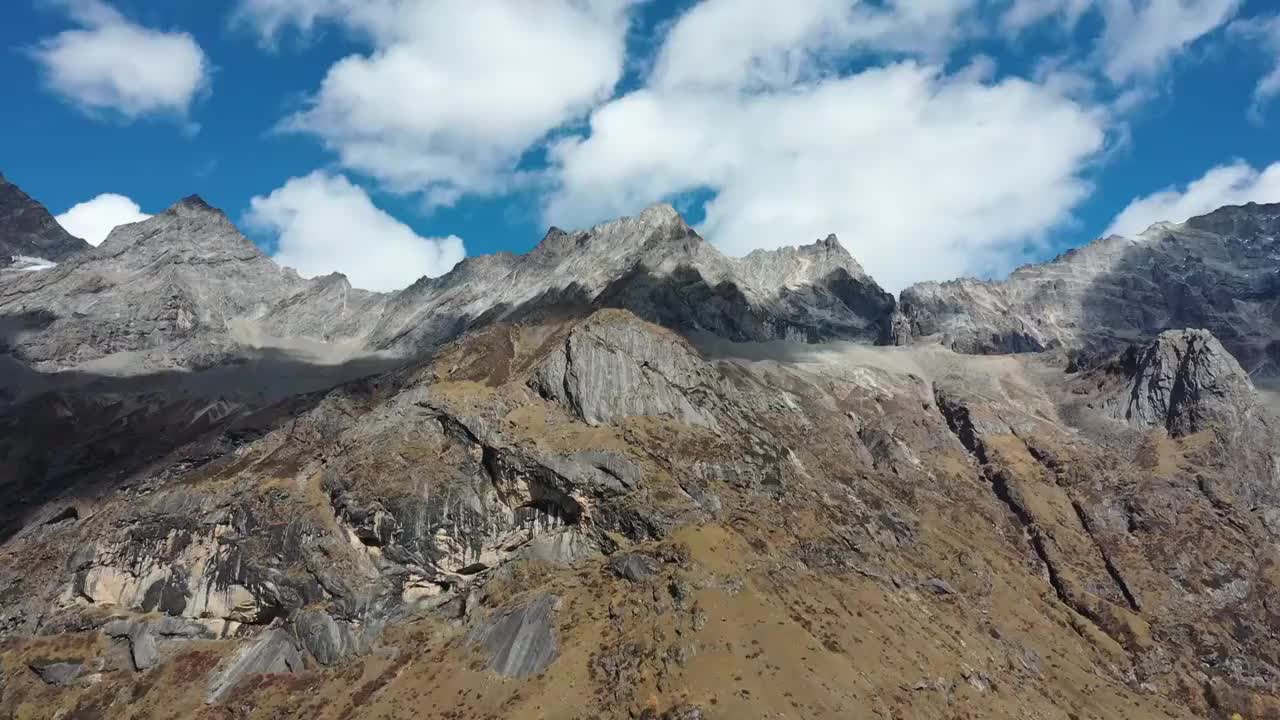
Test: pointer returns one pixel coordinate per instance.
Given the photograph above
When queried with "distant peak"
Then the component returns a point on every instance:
(192, 205)
(831, 244)
(334, 278)
(660, 213)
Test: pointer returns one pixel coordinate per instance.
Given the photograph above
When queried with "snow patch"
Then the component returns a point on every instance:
(25, 263)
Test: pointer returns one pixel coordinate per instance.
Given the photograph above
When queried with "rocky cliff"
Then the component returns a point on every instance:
(29, 236)
(622, 476)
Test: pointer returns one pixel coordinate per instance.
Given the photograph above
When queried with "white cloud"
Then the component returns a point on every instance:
(1139, 38)
(760, 44)
(1143, 36)
(94, 219)
(1265, 31)
(1022, 14)
(924, 175)
(1234, 184)
(113, 65)
(454, 91)
(326, 224)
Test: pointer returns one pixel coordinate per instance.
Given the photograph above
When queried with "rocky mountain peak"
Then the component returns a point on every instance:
(661, 214)
(832, 244)
(28, 229)
(614, 239)
(1247, 221)
(795, 266)
(190, 230)
(192, 204)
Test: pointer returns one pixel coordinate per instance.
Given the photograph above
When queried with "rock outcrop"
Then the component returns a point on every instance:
(613, 366)
(271, 652)
(29, 234)
(1185, 382)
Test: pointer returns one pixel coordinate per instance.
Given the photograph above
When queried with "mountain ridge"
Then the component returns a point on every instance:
(624, 476)
(645, 262)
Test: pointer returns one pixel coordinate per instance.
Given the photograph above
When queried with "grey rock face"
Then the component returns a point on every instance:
(612, 367)
(143, 651)
(271, 652)
(60, 674)
(1185, 382)
(28, 230)
(521, 642)
(319, 634)
(1216, 272)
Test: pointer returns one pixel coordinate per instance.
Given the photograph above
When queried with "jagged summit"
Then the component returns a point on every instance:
(195, 206)
(28, 229)
(656, 265)
(190, 231)
(182, 286)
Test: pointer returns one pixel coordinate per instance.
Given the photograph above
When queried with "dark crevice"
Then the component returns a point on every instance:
(1000, 484)
(960, 422)
(957, 417)
(1053, 466)
(69, 513)
(1178, 395)
(1112, 570)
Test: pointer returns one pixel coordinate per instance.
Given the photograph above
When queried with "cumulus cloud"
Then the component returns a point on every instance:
(1265, 31)
(454, 91)
(1234, 184)
(327, 224)
(94, 219)
(112, 65)
(924, 174)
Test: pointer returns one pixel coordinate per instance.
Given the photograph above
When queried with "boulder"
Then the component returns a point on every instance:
(59, 673)
(635, 567)
(520, 642)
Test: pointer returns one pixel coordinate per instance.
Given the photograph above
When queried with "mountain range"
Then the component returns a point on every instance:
(627, 476)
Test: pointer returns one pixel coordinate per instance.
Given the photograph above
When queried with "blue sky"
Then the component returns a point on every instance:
(384, 138)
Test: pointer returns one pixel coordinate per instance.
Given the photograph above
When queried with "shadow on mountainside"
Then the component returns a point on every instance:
(838, 308)
(1193, 283)
(77, 435)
